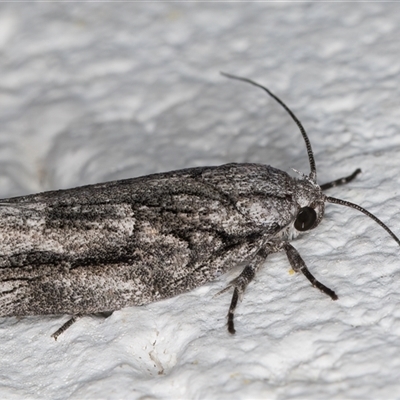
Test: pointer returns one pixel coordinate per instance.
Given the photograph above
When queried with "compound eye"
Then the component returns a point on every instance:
(305, 219)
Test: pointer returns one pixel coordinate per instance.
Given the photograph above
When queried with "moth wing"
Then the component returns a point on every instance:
(102, 247)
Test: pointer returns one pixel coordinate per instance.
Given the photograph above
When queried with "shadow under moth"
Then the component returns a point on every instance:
(102, 247)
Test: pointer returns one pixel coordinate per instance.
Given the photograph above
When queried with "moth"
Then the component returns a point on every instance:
(102, 247)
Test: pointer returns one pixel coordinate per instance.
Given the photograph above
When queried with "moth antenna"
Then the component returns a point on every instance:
(313, 173)
(364, 211)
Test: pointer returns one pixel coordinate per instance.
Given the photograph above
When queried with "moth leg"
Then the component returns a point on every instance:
(65, 326)
(240, 283)
(341, 181)
(299, 265)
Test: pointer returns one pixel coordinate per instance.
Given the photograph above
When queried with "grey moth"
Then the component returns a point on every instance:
(102, 247)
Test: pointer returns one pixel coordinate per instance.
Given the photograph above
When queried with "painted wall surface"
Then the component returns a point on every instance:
(102, 91)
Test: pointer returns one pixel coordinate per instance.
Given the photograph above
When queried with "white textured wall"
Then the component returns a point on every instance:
(94, 92)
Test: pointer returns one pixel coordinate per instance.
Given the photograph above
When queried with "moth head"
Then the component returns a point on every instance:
(311, 205)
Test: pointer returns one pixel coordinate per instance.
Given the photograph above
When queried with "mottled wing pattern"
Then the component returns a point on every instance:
(102, 247)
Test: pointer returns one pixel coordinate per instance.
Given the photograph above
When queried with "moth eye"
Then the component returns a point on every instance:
(305, 219)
